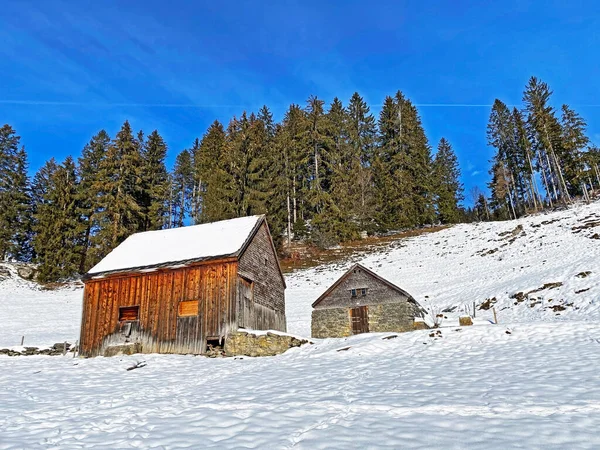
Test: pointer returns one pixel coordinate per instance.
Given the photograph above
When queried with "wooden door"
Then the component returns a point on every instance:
(245, 303)
(360, 320)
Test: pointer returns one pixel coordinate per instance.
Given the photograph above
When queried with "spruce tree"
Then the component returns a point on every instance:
(119, 186)
(574, 141)
(89, 169)
(181, 189)
(155, 183)
(289, 140)
(545, 134)
(59, 230)
(448, 188)
(217, 186)
(362, 134)
(15, 198)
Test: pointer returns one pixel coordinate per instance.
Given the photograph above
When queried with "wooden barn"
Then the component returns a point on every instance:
(361, 302)
(178, 290)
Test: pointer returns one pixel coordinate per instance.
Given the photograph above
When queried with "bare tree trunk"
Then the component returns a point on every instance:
(551, 180)
(295, 200)
(562, 180)
(532, 182)
(586, 197)
(289, 221)
(562, 187)
(510, 199)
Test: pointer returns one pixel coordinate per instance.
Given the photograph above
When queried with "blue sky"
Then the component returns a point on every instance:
(71, 68)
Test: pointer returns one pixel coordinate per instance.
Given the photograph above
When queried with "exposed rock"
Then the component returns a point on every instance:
(124, 349)
(489, 302)
(4, 273)
(60, 346)
(517, 230)
(420, 325)
(27, 272)
(465, 321)
(585, 274)
(269, 344)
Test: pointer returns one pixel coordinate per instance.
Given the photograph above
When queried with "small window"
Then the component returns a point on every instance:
(353, 292)
(129, 313)
(188, 308)
(363, 292)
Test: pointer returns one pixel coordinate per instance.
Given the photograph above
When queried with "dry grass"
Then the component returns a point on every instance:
(303, 256)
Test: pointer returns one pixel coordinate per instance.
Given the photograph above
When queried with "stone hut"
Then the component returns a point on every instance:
(361, 302)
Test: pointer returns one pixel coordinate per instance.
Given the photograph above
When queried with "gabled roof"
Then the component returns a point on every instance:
(369, 272)
(180, 246)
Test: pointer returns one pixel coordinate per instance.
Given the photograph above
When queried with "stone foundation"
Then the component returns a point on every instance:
(268, 344)
(333, 322)
(383, 318)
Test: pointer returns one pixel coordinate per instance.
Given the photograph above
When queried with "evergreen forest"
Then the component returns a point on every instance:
(323, 174)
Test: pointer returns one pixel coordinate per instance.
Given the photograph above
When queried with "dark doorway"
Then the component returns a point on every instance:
(360, 320)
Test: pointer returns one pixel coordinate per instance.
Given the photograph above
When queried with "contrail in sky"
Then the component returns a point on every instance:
(194, 105)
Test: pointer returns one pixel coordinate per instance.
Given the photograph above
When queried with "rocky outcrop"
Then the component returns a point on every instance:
(268, 344)
(57, 349)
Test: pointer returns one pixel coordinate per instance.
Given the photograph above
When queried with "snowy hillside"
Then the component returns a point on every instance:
(474, 262)
(528, 382)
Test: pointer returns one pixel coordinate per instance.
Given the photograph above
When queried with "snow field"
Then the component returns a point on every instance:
(529, 382)
(474, 387)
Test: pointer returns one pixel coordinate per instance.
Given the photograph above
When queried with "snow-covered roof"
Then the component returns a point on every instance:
(179, 245)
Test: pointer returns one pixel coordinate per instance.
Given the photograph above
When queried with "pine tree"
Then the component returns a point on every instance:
(59, 229)
(508, 161)
(334, 221)
(181, 188)
(545, 134)
(574, 141)
(316, 141)
(362, 134)
(216, 190)
(89, 165)
(449, 190)
(289, 141)
(119, 186)
(155, 183)
(402, 167)
(15, 198)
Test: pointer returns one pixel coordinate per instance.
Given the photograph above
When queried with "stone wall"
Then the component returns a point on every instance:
(333, 322)
(388, 317)
(397, 317)
(268, 344)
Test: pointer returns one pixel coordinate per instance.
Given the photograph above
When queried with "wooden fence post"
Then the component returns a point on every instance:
(495, 317)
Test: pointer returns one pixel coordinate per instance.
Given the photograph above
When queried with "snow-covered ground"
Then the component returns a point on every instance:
(529, 382)
(473, 262)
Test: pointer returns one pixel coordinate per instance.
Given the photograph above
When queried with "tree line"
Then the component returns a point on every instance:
(323, 174)
(542, 158)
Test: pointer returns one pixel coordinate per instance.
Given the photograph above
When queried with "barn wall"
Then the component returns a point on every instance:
(259, 264)
(378, 292)
(158, 294)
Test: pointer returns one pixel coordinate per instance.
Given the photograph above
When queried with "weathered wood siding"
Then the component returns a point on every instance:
(259, 265)
(158, 294)
(377, 292)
